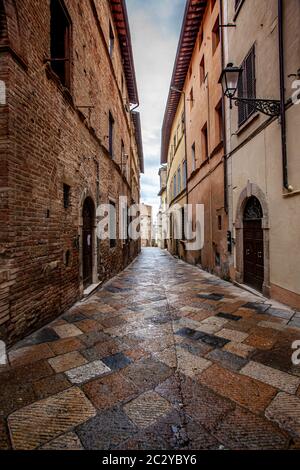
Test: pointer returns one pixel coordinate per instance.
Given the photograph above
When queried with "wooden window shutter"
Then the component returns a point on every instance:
(247, 87)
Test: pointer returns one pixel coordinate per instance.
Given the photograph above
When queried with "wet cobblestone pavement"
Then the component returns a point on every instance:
(165, 356)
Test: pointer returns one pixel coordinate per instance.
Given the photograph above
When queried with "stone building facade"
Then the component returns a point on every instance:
(196, 91)
(146, 223)
(263, 152)
(69, 141)
(162, 225)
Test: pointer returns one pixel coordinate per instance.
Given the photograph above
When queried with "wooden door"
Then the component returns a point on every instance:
(87, 242)
(253, 245)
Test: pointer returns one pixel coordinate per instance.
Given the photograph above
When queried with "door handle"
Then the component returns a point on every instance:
(259, 254)
(247, 252)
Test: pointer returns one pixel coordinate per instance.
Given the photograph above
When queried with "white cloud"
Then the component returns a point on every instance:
(155, 28)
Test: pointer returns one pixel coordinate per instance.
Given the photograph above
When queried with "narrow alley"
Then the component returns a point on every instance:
(164, 356)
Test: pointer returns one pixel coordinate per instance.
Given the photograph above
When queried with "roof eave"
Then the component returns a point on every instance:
(120, 16)
(193, 15)
(138, 136)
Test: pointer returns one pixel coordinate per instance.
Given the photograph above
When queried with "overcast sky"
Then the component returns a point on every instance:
(155, 28)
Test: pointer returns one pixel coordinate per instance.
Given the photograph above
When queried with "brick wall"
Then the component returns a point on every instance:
(54, 140)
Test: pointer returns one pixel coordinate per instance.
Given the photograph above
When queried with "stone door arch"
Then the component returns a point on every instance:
(252, 191)
(88, 247)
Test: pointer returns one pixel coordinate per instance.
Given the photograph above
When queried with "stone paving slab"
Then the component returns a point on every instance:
(189, 364)
(42, 421)
(68, 442)
(242, 430)
(227, 359)
(281, 380)
(29, 354)
(106, 431)
(67, 361)
(247, 392)
(87, 372)
(67, 331)
(106, 392)
(167, 357)
(285, 410)
(146, 409)
(232, 335)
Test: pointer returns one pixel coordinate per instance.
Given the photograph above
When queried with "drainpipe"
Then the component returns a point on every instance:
(282, 97)
(223, 113)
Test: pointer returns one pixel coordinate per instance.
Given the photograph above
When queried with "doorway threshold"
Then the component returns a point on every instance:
(249, 289)
(91, 289)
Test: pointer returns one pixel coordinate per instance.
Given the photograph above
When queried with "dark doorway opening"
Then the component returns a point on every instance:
(253, 244)
(87, 241)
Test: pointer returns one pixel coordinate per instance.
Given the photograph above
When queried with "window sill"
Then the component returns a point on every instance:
(237, 11)
(179, 195)
(205, 162)
(247, 123)
(178, 144)
(51, 75)
(193, 174)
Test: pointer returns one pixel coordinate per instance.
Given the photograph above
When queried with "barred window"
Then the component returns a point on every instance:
(237, 3)
(60, 33)
(184, 173)
(111, 123)
(247, 87)
(178, 180)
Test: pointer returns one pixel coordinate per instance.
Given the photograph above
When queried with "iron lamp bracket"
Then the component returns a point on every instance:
(268, 107)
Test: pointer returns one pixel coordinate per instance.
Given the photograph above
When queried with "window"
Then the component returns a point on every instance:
(112, 225)
(172, 152)
(219, 222)
(247, 87)
(178, 180)
(174, 186)
(111, 135)
(219, 122)
(238, 3)
(111, 40)
(193, 156)
(182, 123)
(216, 35)
(3, 27)
(204, 142)
(191, 98)
(123, 158)
(202, 71)
(184, 173)
(125, 223)
(67, 258)
(66, 192)
(60, 31)
(183, 237)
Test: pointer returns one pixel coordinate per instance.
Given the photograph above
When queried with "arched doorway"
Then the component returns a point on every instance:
(253, 244)
(88, 212)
